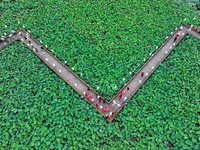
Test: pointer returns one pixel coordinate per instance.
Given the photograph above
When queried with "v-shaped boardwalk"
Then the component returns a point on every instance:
(117, 103)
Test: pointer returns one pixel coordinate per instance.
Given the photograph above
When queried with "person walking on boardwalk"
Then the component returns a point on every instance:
(1, 40)
(20, 33)
(41, 47)
(112, 114)
(97, 106)
(120, 97)
(177, 36)
(29, 41)
(25, 37)
(11, 36)
(128, 89)
(86, 94)
(88, 89)
(142, 74)
(181, 28)
(194, 28)
(107, 117)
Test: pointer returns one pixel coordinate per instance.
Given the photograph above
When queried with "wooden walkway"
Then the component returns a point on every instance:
(130, 88)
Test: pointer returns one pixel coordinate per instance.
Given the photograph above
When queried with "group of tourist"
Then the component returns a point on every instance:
(179, 33)
(97, 106)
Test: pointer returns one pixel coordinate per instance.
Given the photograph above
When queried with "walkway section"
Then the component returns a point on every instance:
(108, 109)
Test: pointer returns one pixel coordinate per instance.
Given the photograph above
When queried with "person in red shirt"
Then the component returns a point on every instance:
(122, 105)
(99, 100)
(142, 74)
(194, 28)
(120, 97)
(177, 36)
(112, 114)
(88, 89)
(97, 106)
(107, 117)
(86, 94)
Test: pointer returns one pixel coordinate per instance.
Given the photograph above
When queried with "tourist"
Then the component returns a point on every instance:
(128, 89)
(97, 106)
(99, 100)
(177, 36)
(120, 97)
(86, 94)
(181, 28)
(104, 101)
(112, 114)
(25, 37)
(29, 41)
(20, 33)
(194, 28)
(11, 36)
(107, 117)
(41, 47)
(1, 40)
(88, 89)
(142, 74)
(32, 45)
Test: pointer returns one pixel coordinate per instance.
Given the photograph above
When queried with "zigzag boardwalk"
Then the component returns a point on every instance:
(130, 88)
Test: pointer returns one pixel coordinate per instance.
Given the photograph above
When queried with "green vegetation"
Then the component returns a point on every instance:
(104, 41)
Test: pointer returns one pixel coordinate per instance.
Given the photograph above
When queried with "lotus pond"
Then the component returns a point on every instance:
(103, 41)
